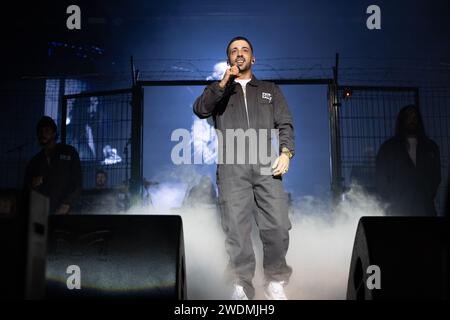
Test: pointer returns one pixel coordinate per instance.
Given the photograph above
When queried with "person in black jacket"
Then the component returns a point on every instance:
(408, 168)
(242, 103)
(55, 171)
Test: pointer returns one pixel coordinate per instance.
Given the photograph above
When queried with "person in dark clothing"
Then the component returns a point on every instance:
(236, 103)
(101, 179)
(55, 171)
(408, 168)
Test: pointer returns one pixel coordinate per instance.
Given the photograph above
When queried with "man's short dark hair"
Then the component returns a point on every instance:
(238, 38)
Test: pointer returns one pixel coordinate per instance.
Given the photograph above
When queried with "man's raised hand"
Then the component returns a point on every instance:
(231, 72)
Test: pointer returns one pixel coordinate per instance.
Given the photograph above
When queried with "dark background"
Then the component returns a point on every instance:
(185, 39)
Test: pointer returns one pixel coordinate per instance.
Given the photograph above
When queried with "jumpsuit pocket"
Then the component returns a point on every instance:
(281, 201)
(265, 114)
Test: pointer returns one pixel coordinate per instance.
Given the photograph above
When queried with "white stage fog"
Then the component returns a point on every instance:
(320, 248)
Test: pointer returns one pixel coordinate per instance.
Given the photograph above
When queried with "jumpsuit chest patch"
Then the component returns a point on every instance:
(266, 96)
(65, 157)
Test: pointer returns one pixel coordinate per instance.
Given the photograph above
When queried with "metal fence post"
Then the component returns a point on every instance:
(137, 103)
(333, 109)
(335, 140)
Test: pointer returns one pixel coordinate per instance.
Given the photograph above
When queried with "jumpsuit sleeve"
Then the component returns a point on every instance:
(283, 121)
(205, 104)
(75, 182)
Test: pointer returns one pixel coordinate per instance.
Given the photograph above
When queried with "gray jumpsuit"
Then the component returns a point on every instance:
(243, 191)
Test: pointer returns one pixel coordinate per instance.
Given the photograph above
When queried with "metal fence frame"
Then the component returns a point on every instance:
(136, 127)
(137, 101)
(137, 91)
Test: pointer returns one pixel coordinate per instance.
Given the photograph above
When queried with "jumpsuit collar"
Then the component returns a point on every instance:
(254, 81)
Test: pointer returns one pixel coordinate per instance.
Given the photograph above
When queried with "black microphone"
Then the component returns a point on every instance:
(238, 67)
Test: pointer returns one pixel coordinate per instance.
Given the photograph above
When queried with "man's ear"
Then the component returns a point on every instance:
(253, 60)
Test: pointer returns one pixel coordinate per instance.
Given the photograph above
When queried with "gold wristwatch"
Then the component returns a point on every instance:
(287, 152)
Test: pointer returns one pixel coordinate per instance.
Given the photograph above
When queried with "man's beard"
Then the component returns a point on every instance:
(45, 142)
(244, 66)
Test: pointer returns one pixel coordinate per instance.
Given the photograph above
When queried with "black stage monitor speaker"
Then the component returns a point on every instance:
(12, 244)
(411, 254)
(36, 245)
(23, 223)
(115, 256)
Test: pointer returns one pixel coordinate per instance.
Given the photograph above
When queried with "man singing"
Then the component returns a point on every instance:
(241, 102)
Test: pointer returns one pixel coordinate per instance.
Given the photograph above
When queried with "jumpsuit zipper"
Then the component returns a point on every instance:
(244, 95)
